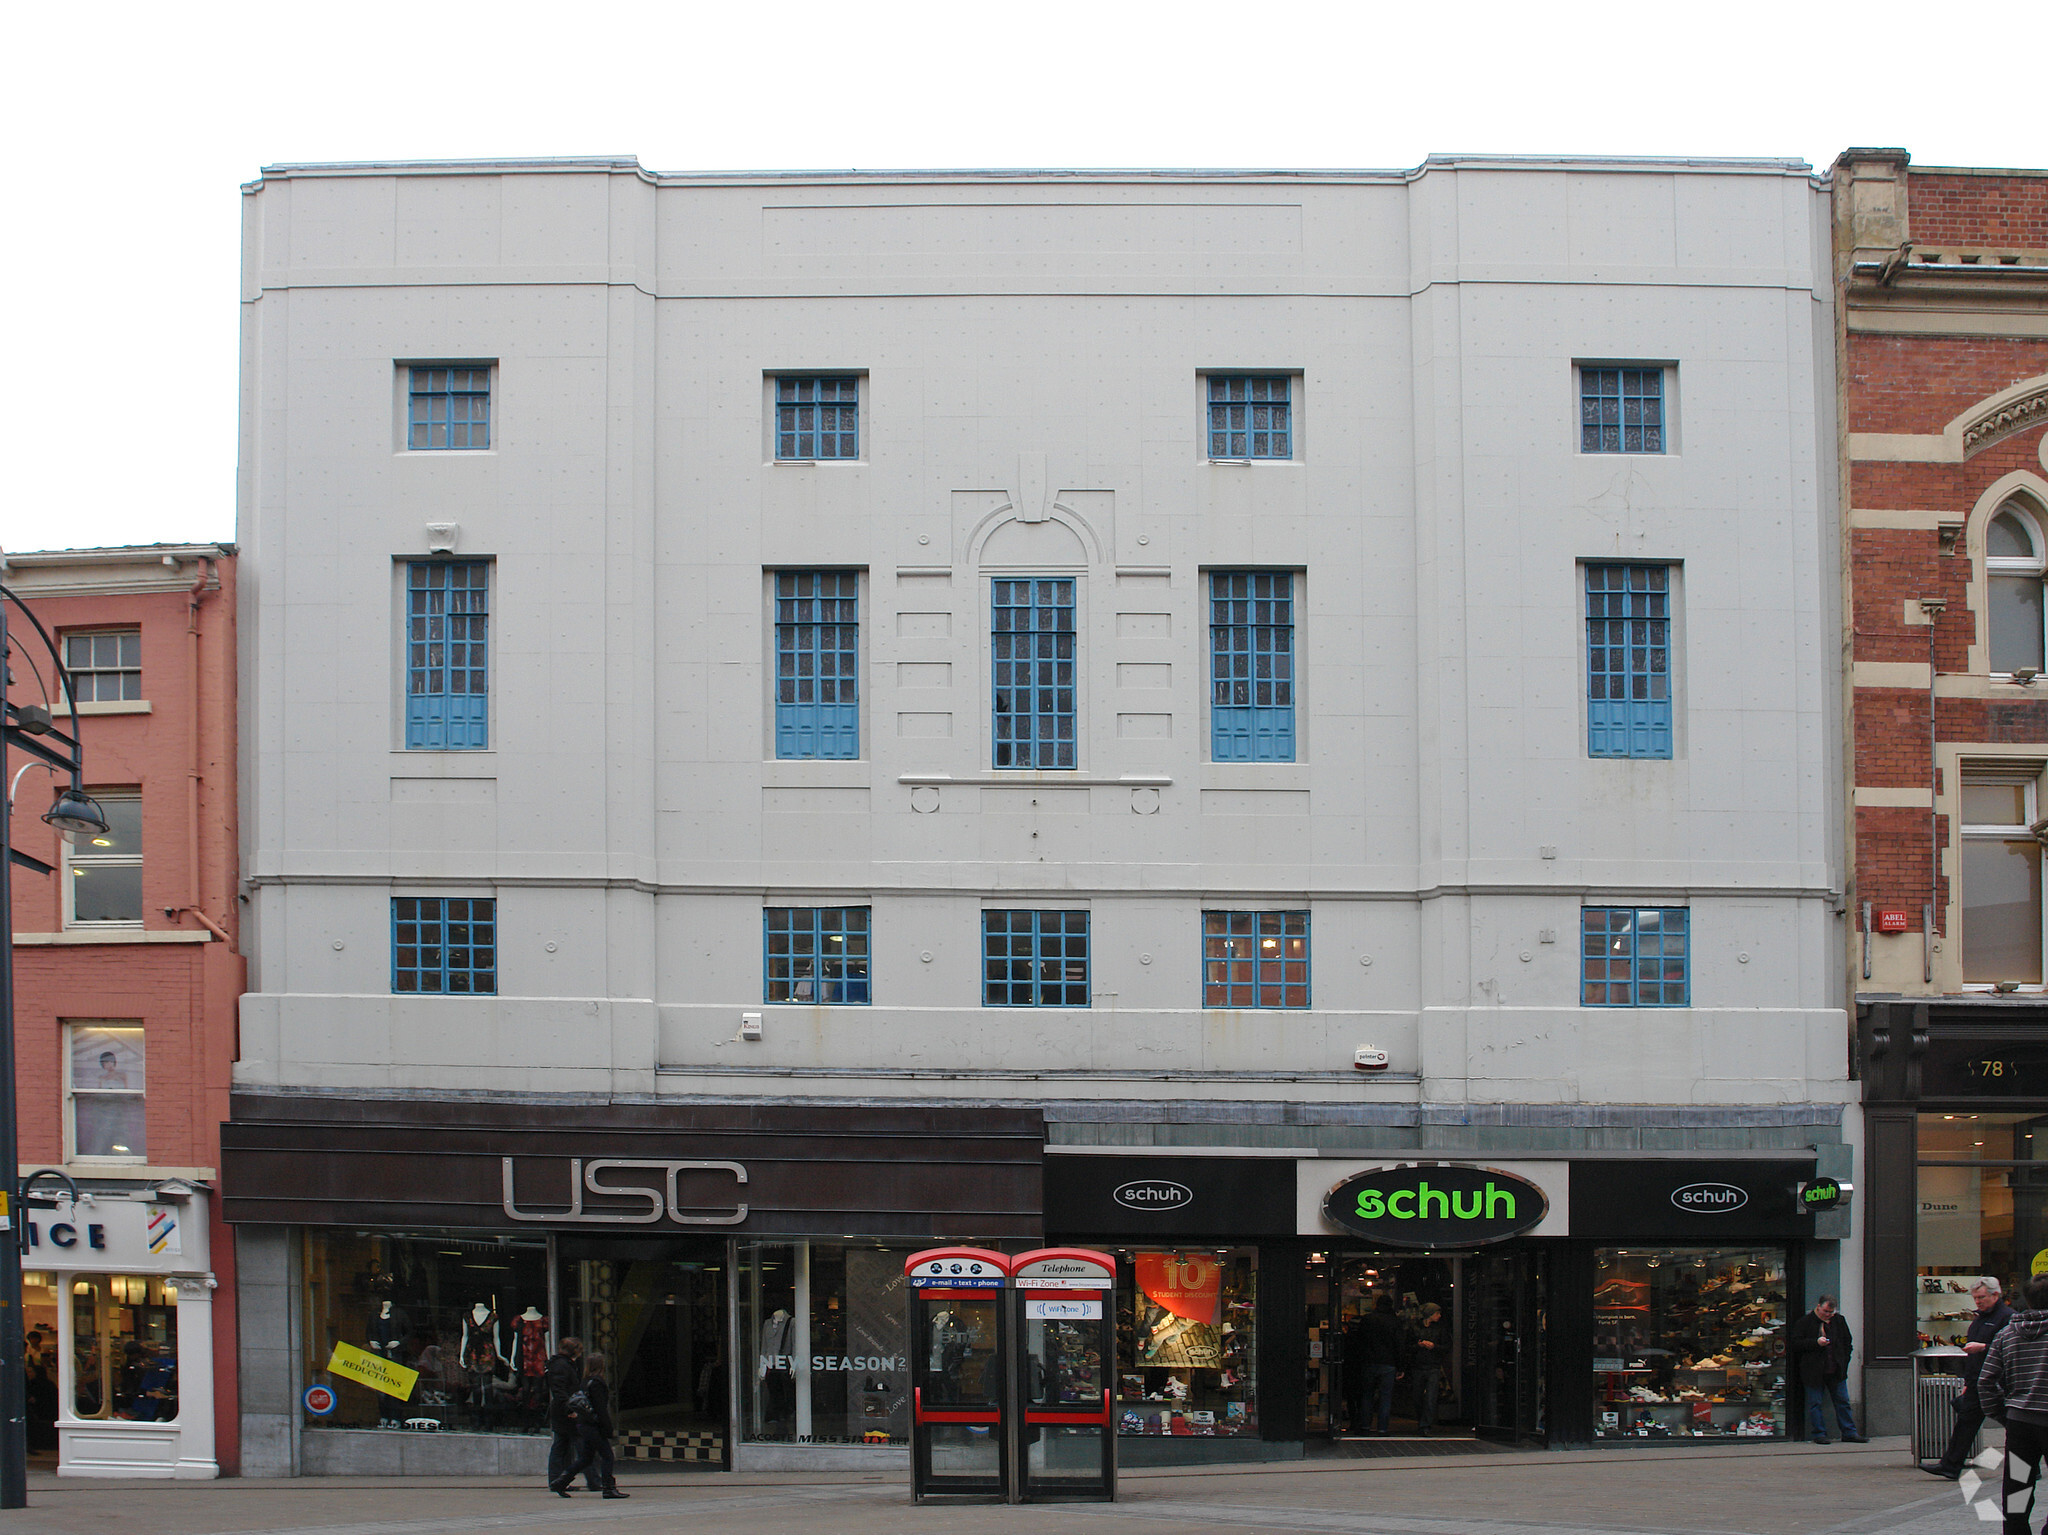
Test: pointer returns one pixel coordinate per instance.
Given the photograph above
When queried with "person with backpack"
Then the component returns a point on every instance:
(565, 1379)
(2012, 1388)
(591, 1408)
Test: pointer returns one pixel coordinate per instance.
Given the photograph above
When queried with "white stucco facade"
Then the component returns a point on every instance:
(1030, 352)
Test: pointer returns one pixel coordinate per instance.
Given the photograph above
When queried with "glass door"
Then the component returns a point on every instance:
(1502, 1316)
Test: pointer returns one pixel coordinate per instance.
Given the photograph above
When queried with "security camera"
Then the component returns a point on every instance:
(1366, 1058)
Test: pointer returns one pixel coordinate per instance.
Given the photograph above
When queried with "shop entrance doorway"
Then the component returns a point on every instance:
(657, 1310)
(1461, 1331)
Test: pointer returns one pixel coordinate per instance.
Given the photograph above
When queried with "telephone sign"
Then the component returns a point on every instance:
(956, 1274)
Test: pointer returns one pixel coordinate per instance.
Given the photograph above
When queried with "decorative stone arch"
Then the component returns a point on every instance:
(1055, 513)
(1997, 417)
(2032, 489)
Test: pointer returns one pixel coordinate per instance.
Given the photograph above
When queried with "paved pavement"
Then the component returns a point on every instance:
(1711, 1490)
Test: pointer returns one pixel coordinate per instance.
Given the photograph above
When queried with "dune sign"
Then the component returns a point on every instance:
(1444, 1206)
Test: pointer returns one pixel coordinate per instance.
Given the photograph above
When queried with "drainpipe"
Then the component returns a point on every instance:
(191, 907)
(1933, 607)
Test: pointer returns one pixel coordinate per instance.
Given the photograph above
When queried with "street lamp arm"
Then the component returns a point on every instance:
(63, 672)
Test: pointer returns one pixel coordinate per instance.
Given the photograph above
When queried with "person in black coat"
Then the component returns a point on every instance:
(1380, 1344)
(595, 1428)
(564, 1378)
(1821, 1346)
(1992, 1315)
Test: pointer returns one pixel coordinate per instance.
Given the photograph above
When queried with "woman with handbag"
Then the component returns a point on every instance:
(591, 1408)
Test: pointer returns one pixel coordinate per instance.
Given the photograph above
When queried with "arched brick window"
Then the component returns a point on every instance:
(2015, 560)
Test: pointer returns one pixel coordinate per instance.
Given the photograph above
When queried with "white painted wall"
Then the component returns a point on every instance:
(1031, 339)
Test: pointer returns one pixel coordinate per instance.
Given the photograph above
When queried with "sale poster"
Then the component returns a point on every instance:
(1187, 1284)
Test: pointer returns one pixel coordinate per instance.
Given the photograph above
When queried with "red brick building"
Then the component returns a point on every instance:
(127, 975)
(1944, 376)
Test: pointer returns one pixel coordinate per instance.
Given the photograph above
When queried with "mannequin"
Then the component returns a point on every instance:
(778, 1385)
(482, 1348)
(530, 1354)
(389, 1327)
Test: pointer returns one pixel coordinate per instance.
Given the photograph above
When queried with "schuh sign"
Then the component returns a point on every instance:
(1439, 1206)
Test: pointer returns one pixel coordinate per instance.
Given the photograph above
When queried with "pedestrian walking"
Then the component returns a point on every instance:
(565, 1378)
(1992, 1315)
(1821, 1344)
(1380, 1342)
(592, 1409)
(2012, 1386)
(1426, 1371)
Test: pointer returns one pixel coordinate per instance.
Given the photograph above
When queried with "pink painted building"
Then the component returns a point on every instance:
(127, 975)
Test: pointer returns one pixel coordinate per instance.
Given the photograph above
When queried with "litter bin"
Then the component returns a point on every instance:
(1937, 1379)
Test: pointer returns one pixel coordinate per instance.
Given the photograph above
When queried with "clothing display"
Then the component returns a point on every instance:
(1689, 1343)
(414, 1300)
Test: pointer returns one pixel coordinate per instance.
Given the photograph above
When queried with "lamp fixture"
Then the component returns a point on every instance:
(77, 813)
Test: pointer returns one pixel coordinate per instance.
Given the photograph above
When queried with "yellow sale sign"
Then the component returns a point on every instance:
(360, 1364)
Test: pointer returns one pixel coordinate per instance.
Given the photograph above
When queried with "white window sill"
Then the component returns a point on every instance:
(107, 706)
(813, 463)
(1030, 777)
(144, 1171)
(2024, 989)
(79, 936)
(1253, 463)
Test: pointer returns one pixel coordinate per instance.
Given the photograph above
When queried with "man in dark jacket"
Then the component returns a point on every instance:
(2012, 1386)
(1992, 1315)
(564, 1377)
(1821, 1345)
(1379, 1341)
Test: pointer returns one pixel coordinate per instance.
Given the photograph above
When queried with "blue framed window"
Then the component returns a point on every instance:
(449, 408)
(1033, 647)
(1251, 670)
(1255, 959)
(817, 418)
(1621, 410)
(1034, 959)
(815, 954)
(1628, 660)
(1635, 956)
(1251, 415)
(445, 944)
(817, 663)
(447, 652)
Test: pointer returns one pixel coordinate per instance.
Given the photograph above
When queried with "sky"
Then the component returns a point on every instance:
(135, 125)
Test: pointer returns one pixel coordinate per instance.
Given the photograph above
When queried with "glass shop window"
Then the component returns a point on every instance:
(40, 1364)
(1689, 1343)
(1187, 1346)
(1983, 1213)
(454, 1327)
(124, 1343)
(824, 1343)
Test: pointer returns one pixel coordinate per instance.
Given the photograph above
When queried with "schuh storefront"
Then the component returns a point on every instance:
(1564, 1302)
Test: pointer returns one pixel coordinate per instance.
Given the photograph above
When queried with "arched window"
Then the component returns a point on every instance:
(2015, 559)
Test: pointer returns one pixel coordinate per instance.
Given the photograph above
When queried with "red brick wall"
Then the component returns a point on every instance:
(1921, 383)
(2008, 212)
(1891, 860)
(184, 994)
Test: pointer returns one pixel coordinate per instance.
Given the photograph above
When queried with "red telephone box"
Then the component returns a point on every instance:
(960, 1431)
(1065, 1299)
